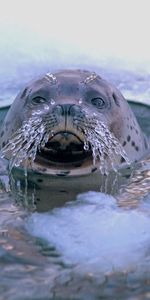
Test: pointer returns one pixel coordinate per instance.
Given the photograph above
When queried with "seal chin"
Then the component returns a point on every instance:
(64, 152)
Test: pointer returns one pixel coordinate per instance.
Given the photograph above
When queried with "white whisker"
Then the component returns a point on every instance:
(105, 147)
(35, 133)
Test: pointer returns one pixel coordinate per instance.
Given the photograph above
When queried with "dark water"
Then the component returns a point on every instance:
(97, 247)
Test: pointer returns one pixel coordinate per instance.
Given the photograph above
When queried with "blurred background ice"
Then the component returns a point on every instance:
(110, 37)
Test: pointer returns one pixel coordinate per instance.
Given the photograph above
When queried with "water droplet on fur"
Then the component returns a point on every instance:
(86, 146)
(46, 107)
(52, 102)
(36, 112)
(80, 101)
(94, 114)
(52, 133)
(12, 146)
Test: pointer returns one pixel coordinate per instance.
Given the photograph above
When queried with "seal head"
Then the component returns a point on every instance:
(71, 123)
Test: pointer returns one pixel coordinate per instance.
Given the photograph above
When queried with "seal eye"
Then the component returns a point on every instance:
(98, 102)
(38, 100)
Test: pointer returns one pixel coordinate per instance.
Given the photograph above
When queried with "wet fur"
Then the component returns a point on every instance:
(77, 87)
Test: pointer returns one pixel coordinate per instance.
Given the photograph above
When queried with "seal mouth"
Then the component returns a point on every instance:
(64, 148)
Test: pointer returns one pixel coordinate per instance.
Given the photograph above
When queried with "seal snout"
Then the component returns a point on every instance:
(66, 144)
(69, 122)
(68, 110)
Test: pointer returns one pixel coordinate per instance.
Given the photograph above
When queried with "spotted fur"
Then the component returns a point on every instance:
(76, 88)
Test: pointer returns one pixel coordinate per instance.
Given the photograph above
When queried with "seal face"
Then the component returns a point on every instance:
(71, 123)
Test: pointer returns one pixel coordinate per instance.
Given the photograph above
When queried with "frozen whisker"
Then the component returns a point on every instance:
(26, 141)
(105, 147)
(35, 133)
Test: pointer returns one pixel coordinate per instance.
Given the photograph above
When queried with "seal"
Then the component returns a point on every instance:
(70, 123)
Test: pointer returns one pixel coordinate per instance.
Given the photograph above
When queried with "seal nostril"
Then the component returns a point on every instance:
(74, 110)
(67, 109)
(58, 109)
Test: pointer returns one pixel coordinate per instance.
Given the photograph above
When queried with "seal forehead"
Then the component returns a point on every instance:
(66, 82)
(78, 74)
(81, 76)
(73, 82)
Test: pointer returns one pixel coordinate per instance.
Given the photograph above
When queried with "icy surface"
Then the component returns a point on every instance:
(95, 234)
